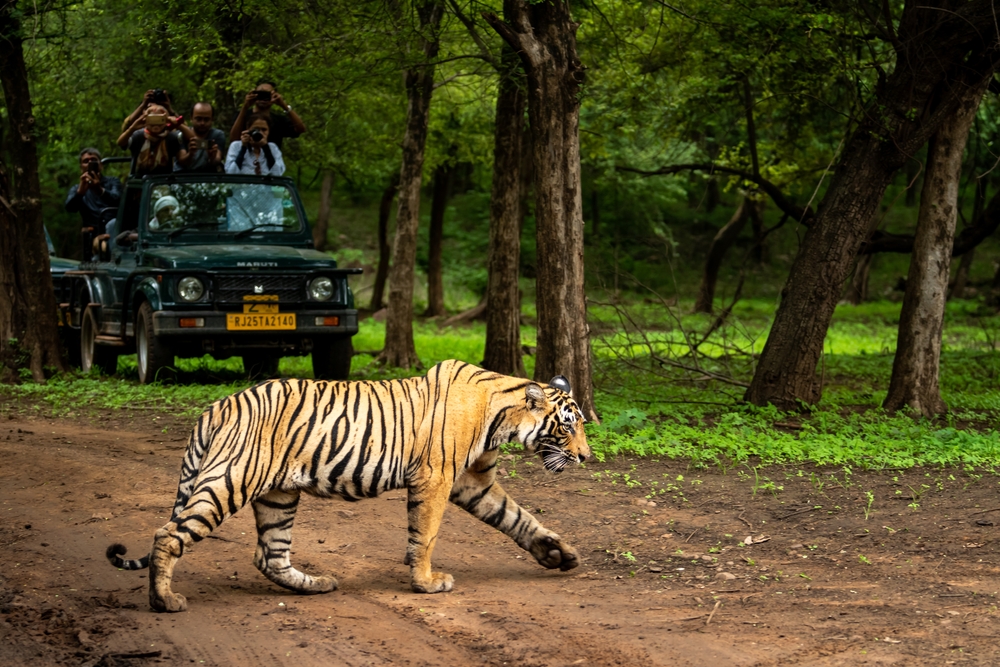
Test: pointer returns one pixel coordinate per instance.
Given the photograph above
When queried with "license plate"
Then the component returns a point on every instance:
(260, 322)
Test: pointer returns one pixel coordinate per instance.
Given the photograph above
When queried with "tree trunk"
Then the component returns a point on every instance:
(934, 70)
(322, 227)
(29, 336)
(723, 240)
(384, 211)
(962, 276)
(503, 302)
(544, 36)
(915, 369)
(439, 202)
(400, 350)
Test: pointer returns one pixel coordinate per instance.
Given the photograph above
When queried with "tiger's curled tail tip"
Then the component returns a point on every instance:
(115, 553)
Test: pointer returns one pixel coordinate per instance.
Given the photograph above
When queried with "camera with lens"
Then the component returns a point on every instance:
(159, 97)
(94, 167)
(256, 135)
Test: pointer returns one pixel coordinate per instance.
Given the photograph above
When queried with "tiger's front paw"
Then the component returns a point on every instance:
(551, 552)
(171, 602)
(438, 582)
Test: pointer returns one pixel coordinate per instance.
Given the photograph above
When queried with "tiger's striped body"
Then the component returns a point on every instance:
(437, 436)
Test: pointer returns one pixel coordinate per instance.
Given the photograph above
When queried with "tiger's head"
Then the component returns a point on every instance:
(552, 425)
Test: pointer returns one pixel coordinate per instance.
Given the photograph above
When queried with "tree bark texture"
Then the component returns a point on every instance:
(941, 53)
(503, 301)
(915, 369)
(723, 240)
(382, 272)
(28, 326)
(544, 36)
(322, 226)
(400, 350)
(439, 203)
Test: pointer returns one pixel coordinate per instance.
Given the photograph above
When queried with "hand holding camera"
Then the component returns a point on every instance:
(253, 137)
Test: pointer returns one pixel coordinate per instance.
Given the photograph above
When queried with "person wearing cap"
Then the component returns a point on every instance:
(164, 213)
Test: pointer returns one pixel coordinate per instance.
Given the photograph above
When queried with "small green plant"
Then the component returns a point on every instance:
(864, 559)
(871, 501)
(627, 555)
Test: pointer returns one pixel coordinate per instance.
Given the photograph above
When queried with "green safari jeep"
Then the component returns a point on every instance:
(214, 264)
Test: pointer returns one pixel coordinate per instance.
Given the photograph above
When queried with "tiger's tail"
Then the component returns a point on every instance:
(201, 437)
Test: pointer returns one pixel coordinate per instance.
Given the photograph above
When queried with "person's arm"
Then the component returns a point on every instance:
(112, 194)
(278, 168)
(234, 150)
(181, 154)
(147, 99)
(297, 123)
(136, 125)
(241, 119)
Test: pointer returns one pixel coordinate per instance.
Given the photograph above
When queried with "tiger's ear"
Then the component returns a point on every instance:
(561, 383)
(535, 397)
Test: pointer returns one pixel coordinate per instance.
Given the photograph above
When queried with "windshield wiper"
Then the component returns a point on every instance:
(177, 231)
(243, 232)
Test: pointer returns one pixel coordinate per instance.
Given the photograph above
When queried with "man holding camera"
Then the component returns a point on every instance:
(208, 145)
(260, 100)
(95, 194)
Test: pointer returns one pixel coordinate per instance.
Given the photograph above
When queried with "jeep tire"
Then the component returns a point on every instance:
(154, 358)
(93, 355)
(332, 358)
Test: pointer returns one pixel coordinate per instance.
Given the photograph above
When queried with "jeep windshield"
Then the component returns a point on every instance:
(236, 209)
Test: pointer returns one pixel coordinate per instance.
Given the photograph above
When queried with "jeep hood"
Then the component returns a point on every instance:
(235, 256)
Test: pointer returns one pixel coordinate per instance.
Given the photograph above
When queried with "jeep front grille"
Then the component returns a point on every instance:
(232, 289)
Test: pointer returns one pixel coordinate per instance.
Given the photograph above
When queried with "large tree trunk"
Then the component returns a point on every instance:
(934, 71)
(400, 350)
(503, 302)
(439, 202)
(723, 240)
(544, 36)
(28, 327)
(322, 226)
(382, 272)
(918, 345)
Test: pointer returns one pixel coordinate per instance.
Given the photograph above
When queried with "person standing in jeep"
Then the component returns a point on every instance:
(258, 103)
(96, 196)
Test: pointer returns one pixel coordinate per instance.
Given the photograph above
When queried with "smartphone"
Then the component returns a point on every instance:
(263, 95)
(203, 144)
(156, 120)
(94, 167)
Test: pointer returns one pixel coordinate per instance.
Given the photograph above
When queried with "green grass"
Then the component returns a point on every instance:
(699, 421)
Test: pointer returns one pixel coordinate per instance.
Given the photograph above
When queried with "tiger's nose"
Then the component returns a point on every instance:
(580, 458)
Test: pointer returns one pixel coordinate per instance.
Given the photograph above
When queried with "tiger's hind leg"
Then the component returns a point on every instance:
(192, 524)
(275, 512)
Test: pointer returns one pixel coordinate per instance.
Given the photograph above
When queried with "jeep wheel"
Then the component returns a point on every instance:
(260, 365)
(152, 355)
(332, 358)
(93, 355)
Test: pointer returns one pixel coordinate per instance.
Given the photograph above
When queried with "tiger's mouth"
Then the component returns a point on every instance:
(555, 458)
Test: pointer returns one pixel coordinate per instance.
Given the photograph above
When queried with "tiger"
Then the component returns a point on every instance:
(438, 436)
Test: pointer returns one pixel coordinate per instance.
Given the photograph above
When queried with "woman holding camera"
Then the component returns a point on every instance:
(252, 154)
(152, 142)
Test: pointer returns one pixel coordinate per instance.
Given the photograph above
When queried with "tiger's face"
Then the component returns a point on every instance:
(554, 425)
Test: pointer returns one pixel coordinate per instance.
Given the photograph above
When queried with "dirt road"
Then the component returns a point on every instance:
(914, 582)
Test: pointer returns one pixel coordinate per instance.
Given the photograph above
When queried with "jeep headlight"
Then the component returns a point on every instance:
(190, 289)
(321, 289)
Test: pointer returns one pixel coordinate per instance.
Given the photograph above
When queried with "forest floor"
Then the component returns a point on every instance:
(807, 566)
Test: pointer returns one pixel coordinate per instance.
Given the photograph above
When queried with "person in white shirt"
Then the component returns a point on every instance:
(252, 154)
